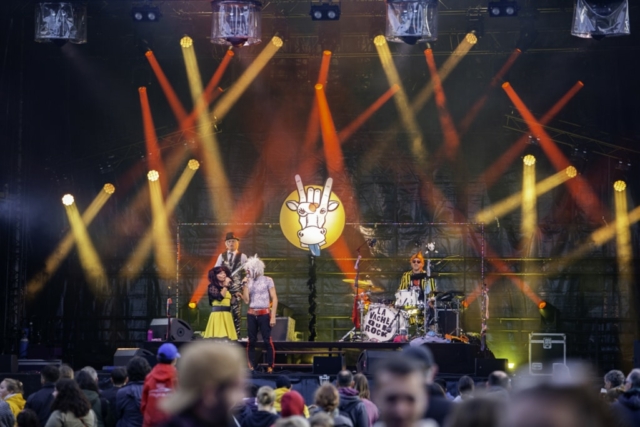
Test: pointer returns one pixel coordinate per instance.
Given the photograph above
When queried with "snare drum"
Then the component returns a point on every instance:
(408, 299)
(382, 323)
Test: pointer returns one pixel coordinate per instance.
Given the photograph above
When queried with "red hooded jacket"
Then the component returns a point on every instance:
(161, 381)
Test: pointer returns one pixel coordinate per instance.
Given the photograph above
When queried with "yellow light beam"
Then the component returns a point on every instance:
(137, 258)
(217, 181)
(450, 64)
(163, 243)
(512, 202)
(529, 218)
(65, 245)
(402, 101)
(623, 238)
(89, 259)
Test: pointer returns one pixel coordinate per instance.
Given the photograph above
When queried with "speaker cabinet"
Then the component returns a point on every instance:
(123, 355)
(368, 359)
(327, 365)
(179, 330)
(284, 330)
(484, 367)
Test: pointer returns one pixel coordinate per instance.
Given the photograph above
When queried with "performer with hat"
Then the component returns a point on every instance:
(232, 258)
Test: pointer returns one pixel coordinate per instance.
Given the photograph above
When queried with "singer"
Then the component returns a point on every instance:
(220, 324)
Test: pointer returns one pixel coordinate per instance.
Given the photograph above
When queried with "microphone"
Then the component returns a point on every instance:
(372, 242)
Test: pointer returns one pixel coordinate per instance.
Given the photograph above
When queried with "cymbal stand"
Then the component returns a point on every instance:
(354, 333)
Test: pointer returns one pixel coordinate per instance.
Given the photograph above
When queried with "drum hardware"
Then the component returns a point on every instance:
(366, 285)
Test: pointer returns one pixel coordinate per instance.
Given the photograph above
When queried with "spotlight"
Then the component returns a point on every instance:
(571, 171)
(145, 13)
(623, 165)
(67, 200)
(192, 305)
(475, 22)
(186, 42)
(529, 160)
(109, 188)
(542, 305)
(548, 316)
(471, 38)
(236, 23)
(619, 185)
(325, 12)
(411, 22)
(498, 9)
(379, 41)
(579, 158)
(277, 41)
(193, 164)
(511, 366)
(153, 175)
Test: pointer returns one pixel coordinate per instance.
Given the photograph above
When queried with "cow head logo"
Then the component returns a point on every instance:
(312, 217)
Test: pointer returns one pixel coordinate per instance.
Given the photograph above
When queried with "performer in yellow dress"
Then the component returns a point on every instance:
(220, 323)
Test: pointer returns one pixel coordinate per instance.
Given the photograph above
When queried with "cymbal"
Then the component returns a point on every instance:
(361, 283)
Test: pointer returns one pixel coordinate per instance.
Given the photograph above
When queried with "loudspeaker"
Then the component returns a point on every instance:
(9, 363)
(368, 359)
(180, 330)
(284, 330)
(447, 321)
(123, 355)
(484, 367)
(327, 365)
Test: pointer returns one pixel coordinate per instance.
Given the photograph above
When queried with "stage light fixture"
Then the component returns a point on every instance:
(571, 171)
(236, 23)
(67, 200)
(193, 164)
(145, 13)
(548, 316)
(471, 38)
(277, 41)
(61, 22)
(600, 18)
(186, 42)
(153, 175)
(411, 22)
(109, 188)
(325, 12)
(579, 158)
(379, 40)
(192, 305)
(619, 185)
(529, 160)
(500, 9)
(475, 22)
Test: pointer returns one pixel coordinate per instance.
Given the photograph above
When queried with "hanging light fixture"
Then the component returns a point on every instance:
(412, 21)
(599, 19)
(61, 22)
(236, 22)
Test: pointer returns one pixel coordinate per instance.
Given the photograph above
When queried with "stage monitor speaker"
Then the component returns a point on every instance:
(284, 330)
(327, 365)
(484, 367)
(8, 363)
(123, 355)
(368, 359)
(180, 330)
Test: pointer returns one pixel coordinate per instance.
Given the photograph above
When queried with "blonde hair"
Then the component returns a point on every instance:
(327, 397)
(266, 396)
(13, 386)
(255, 265)
(362, 385)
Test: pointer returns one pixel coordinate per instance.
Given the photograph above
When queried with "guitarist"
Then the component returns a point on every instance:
(232, 258)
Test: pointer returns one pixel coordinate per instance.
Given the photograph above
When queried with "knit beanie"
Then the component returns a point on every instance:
(292, 403)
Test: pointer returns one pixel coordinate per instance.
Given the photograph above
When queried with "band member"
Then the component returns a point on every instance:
(259, 292)
(417, 276)
(220, 323)
(233, 259)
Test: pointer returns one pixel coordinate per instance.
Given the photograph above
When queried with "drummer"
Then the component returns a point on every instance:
(422, 282)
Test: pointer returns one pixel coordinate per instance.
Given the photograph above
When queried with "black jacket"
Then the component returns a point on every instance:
(439, 408)
(40, 402)
(627, 408)
(260, 419)
(128, 405)
(352, 407)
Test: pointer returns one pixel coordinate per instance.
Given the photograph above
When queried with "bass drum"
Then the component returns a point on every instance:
(382, 323)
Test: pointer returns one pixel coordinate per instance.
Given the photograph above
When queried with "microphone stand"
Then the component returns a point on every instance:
(354, 332)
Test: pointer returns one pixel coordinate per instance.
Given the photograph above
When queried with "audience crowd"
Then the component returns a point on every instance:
(208, 386)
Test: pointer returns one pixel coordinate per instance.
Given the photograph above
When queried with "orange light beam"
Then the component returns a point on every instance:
(475, 109)
(451, 139)
(578, 187)
(324, 68)
(495, 171)
(346, 133)
(169, 93)
(151, 139)
(332, 150)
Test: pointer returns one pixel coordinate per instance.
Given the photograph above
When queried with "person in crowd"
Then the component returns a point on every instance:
(220, 324)
(292, 403)
(613, 385)
(438, 406)
(211, 378)
(249, 404)
(6, 416)
(466, 385)
(294, 421)
(11, 392)
(361, 383)
(159, 383)
(27, 418)
(233, 259)
(94, 375)
(499, 383)
(321, 419)
(40, 401)
(627, 407)
(443, 384)
(485, 411)
(400, 393)
(266, 415)
(66, 371)
(327, 399)
(283, 385)
(557, 405)
(70, 408)
(89, 387)
(351, 405)
(128, 398)
(259, 292)
(118, 379)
